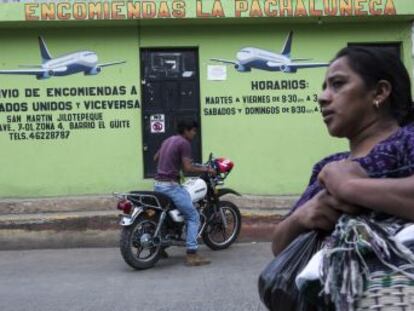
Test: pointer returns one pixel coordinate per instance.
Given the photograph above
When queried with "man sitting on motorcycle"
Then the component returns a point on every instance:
(174, 156)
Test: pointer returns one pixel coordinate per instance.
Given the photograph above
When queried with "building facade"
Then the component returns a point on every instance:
(89, 89)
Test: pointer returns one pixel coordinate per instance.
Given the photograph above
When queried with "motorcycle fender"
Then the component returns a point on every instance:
(127, 220)
(224, 191)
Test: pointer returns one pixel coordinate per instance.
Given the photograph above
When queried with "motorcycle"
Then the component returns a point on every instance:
(151, 222)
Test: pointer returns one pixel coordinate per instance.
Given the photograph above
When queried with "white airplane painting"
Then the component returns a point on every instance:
(68, 64)
(249, 58)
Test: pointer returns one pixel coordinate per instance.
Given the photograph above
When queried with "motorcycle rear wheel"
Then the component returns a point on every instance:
(135, 254)
(215, 236)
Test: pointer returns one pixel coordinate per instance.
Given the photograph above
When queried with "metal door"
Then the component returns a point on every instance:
(170, 92)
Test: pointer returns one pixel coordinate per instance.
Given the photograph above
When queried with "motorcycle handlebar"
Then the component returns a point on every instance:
(209, 163)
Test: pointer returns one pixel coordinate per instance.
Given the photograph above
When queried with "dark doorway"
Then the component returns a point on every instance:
(170, 92)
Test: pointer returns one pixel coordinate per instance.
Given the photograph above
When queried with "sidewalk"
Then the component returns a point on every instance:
(92, 221)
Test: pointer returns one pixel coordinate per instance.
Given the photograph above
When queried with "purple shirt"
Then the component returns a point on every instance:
(171, 155)
(393, 157)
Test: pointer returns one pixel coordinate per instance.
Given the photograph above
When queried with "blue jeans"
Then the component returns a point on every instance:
(182, 201)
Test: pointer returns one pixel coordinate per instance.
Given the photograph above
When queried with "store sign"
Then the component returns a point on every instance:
(287, 94)
(51, 108)
(25, 116)
(129, 10)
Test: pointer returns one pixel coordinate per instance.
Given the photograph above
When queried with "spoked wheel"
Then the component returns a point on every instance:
(137, 246)
(217, 235)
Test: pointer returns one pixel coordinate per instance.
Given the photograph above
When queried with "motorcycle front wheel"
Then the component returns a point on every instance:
(137, 247)
(217, 235)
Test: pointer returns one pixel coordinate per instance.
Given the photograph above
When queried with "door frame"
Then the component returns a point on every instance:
(173, 49)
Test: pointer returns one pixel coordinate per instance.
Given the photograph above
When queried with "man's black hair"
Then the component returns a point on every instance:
(375, 64)
(188, 125)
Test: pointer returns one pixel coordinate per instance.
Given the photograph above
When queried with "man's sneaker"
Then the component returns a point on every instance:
(196, 260)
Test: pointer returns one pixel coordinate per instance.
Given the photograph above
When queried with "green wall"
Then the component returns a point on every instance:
(89, 160)
(273, 153)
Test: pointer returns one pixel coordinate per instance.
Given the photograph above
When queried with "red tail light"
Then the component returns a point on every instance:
(125, 206)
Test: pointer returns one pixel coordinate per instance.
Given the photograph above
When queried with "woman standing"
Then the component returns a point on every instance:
(366, 99)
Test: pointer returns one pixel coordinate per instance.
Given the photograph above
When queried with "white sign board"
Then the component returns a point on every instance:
(157, 123)
(216, 72)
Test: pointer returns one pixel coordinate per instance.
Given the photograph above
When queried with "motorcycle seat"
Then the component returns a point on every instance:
(148, 197)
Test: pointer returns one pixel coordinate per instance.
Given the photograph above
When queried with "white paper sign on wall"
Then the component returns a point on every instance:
(216, 72)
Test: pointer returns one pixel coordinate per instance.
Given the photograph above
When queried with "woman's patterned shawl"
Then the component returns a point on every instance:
(361, 244)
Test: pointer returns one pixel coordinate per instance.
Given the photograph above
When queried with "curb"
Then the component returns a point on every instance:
(92, 221)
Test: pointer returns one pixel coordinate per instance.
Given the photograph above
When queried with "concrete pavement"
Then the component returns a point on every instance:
(92, 279)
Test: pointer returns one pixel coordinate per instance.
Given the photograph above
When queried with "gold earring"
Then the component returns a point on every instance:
(376, 103)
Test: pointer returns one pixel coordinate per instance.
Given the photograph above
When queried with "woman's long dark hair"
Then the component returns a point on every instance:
(375, 64)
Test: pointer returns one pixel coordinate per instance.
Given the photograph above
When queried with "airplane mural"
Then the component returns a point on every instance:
(65, 65)
(251, 57)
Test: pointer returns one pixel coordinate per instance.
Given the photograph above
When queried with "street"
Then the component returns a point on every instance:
(98, 279)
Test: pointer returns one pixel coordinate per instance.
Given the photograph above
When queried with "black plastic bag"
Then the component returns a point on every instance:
(277, 288)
